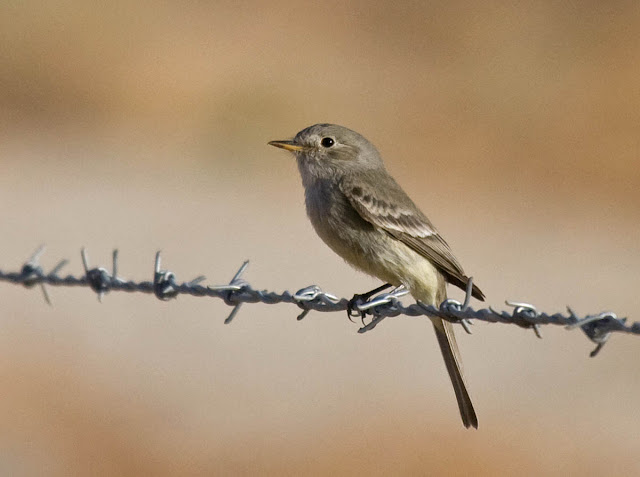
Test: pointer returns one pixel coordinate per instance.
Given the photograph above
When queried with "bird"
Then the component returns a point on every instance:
(358, 209)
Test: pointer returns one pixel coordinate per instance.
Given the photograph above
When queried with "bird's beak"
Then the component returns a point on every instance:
(288, 145)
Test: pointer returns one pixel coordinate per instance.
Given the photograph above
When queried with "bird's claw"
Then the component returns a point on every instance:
(353, 307)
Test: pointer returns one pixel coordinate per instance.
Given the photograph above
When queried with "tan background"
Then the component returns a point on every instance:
(143, 125)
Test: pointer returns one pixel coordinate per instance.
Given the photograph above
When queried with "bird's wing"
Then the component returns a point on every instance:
(382, 202)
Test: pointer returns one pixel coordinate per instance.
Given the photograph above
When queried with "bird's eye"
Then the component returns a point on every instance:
(327, 142)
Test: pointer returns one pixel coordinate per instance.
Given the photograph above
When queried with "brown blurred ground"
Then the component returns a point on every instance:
(143, 126)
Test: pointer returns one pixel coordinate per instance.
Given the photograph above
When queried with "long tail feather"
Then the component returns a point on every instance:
(451, 355)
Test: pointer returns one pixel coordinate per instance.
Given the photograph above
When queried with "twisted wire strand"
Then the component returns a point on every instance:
(597, 327)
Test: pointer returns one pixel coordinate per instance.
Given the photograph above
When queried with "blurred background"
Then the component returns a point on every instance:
(143, 126)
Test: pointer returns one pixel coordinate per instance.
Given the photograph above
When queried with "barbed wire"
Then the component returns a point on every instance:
(597, 327)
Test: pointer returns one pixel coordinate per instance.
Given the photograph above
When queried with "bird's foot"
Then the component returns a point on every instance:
(353, 307)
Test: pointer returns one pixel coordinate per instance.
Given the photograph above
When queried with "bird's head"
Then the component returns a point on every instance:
(329, 147)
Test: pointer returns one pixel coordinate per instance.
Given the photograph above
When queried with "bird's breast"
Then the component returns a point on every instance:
(342, 228)
(331, 213)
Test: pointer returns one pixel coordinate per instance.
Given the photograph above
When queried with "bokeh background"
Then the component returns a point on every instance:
(143, 125)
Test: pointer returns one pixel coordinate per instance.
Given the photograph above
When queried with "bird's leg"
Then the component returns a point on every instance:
(352, 306)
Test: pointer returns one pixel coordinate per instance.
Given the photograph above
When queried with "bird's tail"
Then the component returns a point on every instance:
(451, 355)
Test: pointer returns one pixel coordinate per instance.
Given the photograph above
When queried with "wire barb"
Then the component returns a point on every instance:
(164, 283)
(237, 285)
(594, 327)
(450, 305)
(32, 273)
(597, 327)
(527, 311)
(98, 278)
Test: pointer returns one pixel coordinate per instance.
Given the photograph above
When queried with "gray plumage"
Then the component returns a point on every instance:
(364, 216)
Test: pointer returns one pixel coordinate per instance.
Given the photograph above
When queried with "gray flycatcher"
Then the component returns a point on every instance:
(360, 211)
